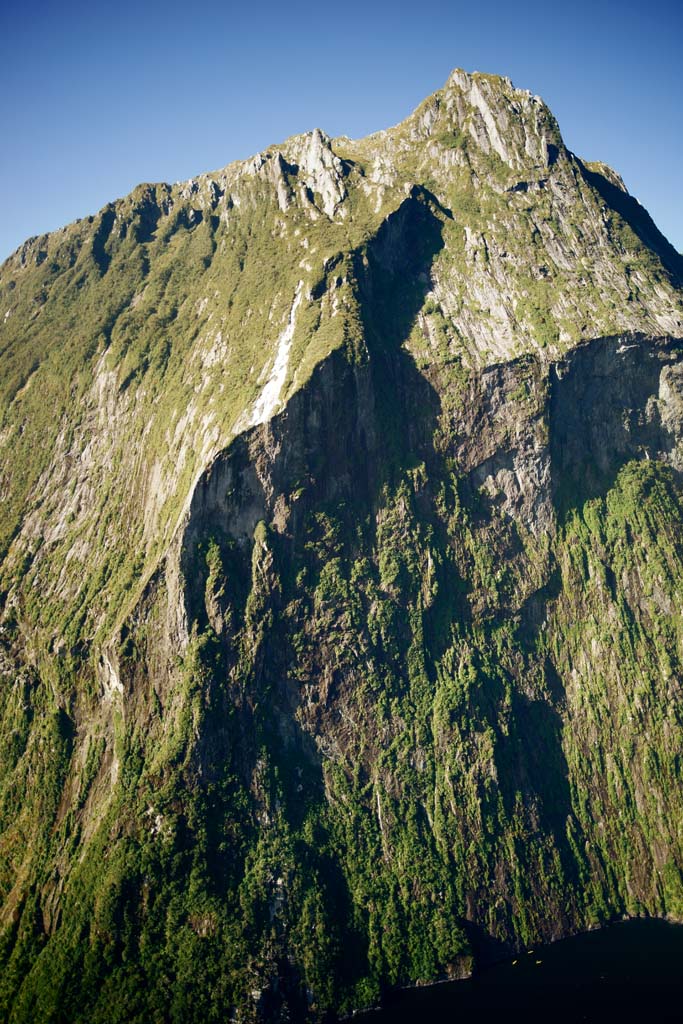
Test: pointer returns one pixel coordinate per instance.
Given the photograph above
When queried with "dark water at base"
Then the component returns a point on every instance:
(630, 971)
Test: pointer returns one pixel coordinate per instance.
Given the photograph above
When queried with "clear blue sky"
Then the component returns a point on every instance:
(99, 96)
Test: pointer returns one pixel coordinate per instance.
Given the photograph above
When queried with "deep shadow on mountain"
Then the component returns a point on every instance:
(638, 219)
(342, 445)
(605, 410)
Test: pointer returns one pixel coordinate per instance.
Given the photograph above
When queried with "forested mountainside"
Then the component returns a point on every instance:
(341, 573)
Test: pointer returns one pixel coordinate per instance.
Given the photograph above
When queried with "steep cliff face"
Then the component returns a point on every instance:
(341, 576)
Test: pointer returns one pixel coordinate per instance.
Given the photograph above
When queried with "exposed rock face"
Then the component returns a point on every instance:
(341, 605)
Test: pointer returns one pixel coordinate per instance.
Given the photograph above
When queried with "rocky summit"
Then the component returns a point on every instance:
(341, 574)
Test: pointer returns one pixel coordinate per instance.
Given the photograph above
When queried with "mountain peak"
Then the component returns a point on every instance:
(465, 80)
